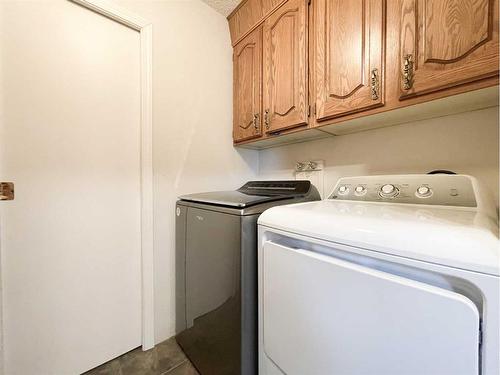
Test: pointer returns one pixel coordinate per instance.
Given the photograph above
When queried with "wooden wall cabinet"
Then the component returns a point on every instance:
(324, 66)
(247, 87)
(247, 15)
(269, 5)
(349, 56)
(445, 43)
(285, 96)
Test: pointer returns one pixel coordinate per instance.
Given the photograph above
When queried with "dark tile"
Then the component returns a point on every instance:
(161, 359)
(109, 368)
(138, 362)
(169, 355)
(184, 369)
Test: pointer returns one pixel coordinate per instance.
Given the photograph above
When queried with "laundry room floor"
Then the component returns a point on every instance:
(166, 358)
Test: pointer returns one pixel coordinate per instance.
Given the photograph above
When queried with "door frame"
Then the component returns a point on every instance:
(145, 29)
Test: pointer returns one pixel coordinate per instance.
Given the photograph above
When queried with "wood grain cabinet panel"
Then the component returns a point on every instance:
(268, 5)
(247, 15)
(349, 56)
(247, 81)
(445, 43)
(285, 93)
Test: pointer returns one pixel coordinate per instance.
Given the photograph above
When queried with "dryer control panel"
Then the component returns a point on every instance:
(446, 190)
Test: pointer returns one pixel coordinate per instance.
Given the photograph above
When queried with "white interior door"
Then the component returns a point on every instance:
(325, 316)
(70, 140)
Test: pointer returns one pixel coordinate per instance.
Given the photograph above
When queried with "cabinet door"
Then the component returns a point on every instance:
(268, 5)
(248, 14)
(247, 81)
(285, 67)
(445, 43)
(349, 56)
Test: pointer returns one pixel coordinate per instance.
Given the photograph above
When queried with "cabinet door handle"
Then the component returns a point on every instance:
(266, 118)
(256, 121)
(408, 72)
(375, 85)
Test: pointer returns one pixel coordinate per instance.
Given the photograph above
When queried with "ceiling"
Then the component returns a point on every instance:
(223, 6)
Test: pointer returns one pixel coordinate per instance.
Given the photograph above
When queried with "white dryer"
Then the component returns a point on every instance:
(389, 275)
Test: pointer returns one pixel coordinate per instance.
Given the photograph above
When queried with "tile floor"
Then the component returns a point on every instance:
(165, 358)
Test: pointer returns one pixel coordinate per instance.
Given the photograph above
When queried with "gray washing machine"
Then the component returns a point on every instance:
(216, 272)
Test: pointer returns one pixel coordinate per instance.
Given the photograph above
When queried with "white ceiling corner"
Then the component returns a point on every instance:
(224, 7)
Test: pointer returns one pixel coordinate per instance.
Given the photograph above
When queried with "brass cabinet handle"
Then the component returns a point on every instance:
(266, 118)
(256, 121)
(408, 72)
(375, 85)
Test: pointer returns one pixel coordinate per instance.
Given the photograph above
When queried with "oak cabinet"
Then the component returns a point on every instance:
(445, 43)
(247, 87)
(349, 56)
(247, 15)
(285, 95)
(324, 66)
(269, 5)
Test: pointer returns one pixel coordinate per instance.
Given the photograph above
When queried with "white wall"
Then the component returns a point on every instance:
(192, 94)
(465, 143)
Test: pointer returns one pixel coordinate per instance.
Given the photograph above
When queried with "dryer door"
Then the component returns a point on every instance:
(323, 316)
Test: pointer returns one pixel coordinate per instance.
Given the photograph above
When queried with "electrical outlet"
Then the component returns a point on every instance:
(311, 170)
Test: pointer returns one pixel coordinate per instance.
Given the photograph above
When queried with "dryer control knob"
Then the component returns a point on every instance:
(388, 191)
(360, 190)
(343, 189)
(423, 192)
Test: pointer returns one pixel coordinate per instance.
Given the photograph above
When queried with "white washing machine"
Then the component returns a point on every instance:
(389, 275)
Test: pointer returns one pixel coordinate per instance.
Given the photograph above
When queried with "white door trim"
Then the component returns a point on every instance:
(145, 28)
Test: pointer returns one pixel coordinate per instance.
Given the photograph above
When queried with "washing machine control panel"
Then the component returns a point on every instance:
(439, 189)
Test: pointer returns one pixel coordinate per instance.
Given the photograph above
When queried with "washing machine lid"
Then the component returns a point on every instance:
(229, 198)
(458, 237)
(252, 193)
